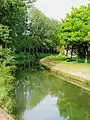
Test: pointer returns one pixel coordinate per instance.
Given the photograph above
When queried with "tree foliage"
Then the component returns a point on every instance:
(13, 14)
(74, 30)
(41, 30)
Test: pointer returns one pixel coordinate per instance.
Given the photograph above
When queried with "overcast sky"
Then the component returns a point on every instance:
(57, 9)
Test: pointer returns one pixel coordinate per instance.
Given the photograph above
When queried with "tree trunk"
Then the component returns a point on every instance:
(6, 45)
(29, 49)
(25, 50)
(71, 52)
(3, 45)
(86, 57)
(67, 52)
(29, 64)
(37, 50)
(77, 57)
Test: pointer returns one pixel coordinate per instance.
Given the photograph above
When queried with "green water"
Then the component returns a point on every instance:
(41, 96)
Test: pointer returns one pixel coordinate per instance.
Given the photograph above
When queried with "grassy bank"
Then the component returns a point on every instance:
(68, 62)
(7, 82)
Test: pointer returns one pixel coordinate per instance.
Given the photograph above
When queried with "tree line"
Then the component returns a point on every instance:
(74, 32)
(21, 31)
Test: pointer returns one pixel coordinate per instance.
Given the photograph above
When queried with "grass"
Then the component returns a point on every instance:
(63, 59)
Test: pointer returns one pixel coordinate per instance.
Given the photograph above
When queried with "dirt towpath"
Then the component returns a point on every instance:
(4, 115)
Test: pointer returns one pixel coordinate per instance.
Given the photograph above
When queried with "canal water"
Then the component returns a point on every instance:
(41, 96)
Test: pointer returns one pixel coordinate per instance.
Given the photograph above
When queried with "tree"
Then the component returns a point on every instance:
(41, 31)
(73, 30)
(14, 15)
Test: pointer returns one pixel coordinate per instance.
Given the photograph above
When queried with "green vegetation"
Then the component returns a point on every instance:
(30, 57)
(73, 63)
(74, 32)
(7, 81)
(25, 37)
(41, 33)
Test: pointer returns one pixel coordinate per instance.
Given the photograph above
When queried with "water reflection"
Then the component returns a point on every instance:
(45, 110)
(41, 96)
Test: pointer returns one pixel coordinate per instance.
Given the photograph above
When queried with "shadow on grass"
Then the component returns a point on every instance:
(60, 58)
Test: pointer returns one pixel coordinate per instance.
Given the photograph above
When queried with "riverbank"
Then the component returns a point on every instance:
(77, 75)
(7, 85)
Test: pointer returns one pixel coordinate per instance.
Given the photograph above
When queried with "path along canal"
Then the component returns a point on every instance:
(41, 96)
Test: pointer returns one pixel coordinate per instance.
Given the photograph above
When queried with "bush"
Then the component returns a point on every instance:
(7, 81)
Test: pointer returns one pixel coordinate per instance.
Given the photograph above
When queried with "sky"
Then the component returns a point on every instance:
(57, 9)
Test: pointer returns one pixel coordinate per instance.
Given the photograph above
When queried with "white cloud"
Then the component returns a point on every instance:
(57, 9)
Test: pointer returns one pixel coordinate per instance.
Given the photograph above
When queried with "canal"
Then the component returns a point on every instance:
(41, 96)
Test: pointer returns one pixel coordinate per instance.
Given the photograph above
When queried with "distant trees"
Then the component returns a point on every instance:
(74, 31)
(41, 32)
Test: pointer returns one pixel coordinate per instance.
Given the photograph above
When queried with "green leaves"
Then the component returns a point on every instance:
(13, 15)
(4, 33)
(75, 27)
(41, 30)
